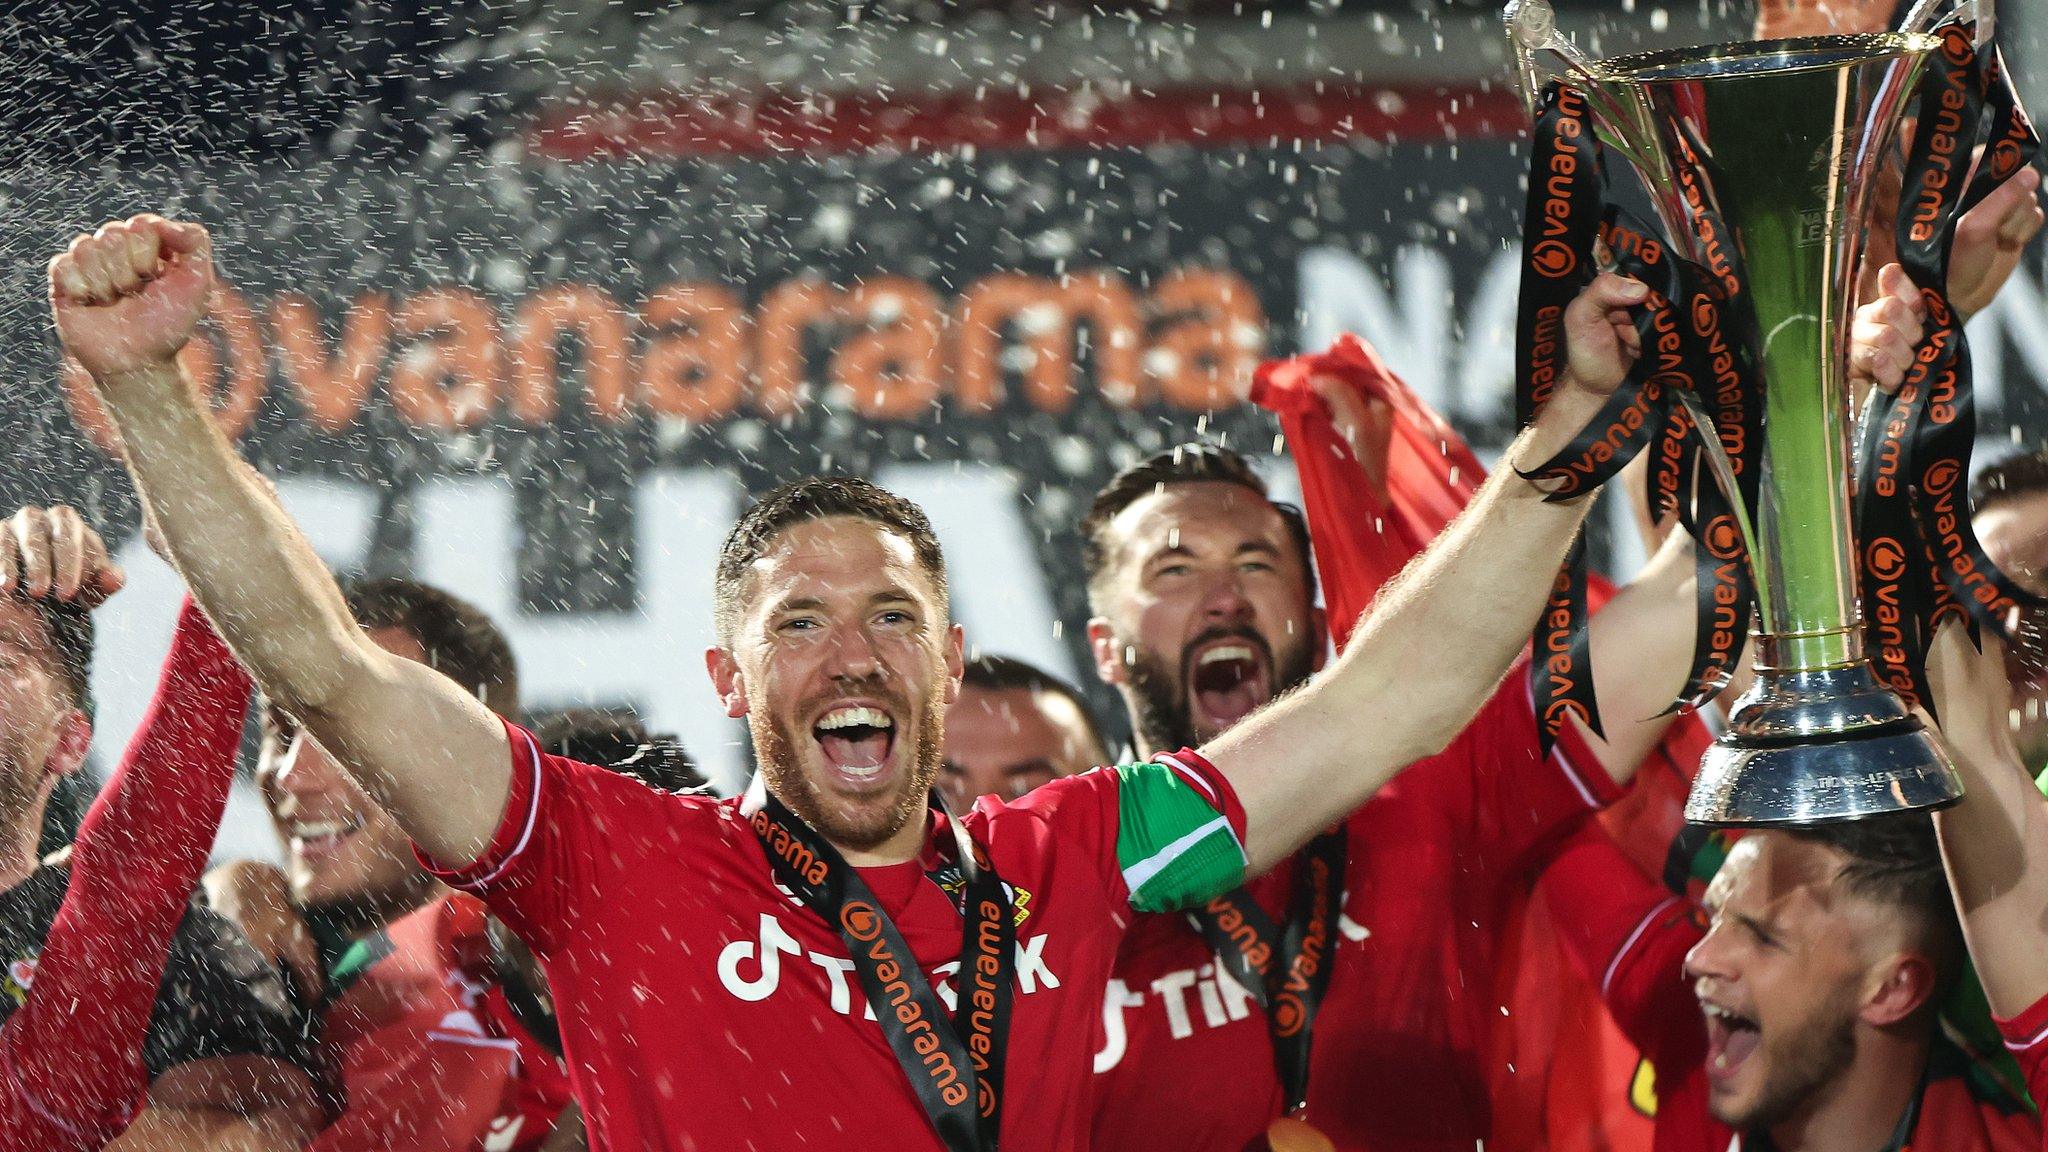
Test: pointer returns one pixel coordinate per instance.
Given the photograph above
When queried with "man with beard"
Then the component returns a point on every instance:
(699, 950)
(130, 1016)
(1013, 728)
(1205, 612)
(396, 966)
(1803, 1016)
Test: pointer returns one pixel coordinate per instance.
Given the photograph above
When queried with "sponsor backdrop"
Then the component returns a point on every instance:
(548, 385)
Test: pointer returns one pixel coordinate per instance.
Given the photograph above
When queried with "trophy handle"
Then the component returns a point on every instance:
(1619, 104)
(1921, 18)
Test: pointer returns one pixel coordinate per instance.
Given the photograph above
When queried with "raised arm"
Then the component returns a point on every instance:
(126, 300)
(1441, 634)
(1995, 841)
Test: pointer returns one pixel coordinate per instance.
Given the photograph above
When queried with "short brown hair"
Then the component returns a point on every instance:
(1182, 464)
(618, 739)
(1895, 860)
(816, 498)
(461, 642)
(1007, 673)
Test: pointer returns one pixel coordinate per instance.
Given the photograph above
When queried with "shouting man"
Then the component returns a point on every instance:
(699, 950)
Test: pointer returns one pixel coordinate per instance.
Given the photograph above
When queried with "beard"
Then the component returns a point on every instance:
(870, 823)
(1805, 1062)
(1162, 718)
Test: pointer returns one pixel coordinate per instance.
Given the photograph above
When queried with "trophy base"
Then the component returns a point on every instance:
(1814, 747)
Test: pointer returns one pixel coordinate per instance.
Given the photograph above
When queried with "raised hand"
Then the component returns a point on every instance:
(1990, 239)
(1600, 333)
(257, 898)
(1972, 692)
(54, 552)
(1885, 331)
(128, 297)
(1365, 423)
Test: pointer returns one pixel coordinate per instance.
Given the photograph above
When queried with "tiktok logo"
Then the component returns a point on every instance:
(752, 970)
(1218, 1000)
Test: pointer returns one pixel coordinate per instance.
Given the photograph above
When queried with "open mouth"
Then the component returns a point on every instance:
(1731, 1039)
(318, 840)
(1229, 680)
(856, 740)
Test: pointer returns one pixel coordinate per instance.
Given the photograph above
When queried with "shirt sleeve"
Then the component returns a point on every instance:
(1629, 937)
(1164, 834)
(1523, 802)
(434, 1092)
(540, 870)
(2026, 1037)
(77, 1047)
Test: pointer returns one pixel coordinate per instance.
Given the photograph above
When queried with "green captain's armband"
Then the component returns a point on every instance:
(1175, 849)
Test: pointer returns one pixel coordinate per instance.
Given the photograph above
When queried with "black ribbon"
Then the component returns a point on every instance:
(1562, 218)
(1693, 328)
(1921, 561)
(954, 1065)
(1286, 970)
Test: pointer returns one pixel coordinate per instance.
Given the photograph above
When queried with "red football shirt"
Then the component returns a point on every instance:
(421, 1066)
(703, 1008)
(1630, 936)
(2026, 1037)
(539, 1089)
(1185, 1061)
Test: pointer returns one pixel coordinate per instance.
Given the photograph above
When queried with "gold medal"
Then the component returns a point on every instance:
(1291, 1134)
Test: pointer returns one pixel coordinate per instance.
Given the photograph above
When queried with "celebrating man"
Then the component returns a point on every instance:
(699, 1005)
(1804, 1016)
(1206, 612)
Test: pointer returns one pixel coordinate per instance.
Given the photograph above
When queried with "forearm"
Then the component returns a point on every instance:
(212, 1130)
(259, 580)
(1642, 648)
(1431, 651)
(421, 745)
(152, 826)
(1995, 843)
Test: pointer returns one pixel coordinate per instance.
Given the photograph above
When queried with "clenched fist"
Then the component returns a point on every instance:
(128, 296)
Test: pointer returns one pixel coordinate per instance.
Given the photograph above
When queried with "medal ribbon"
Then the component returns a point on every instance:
(954, 1065)
(1691, 327)
(1921, 562)
(1286, 970)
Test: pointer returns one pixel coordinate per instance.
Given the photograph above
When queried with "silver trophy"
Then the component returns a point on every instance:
(1783, 139)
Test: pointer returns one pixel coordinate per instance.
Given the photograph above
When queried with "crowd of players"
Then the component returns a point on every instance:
(453, 956)
(1336, 892)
